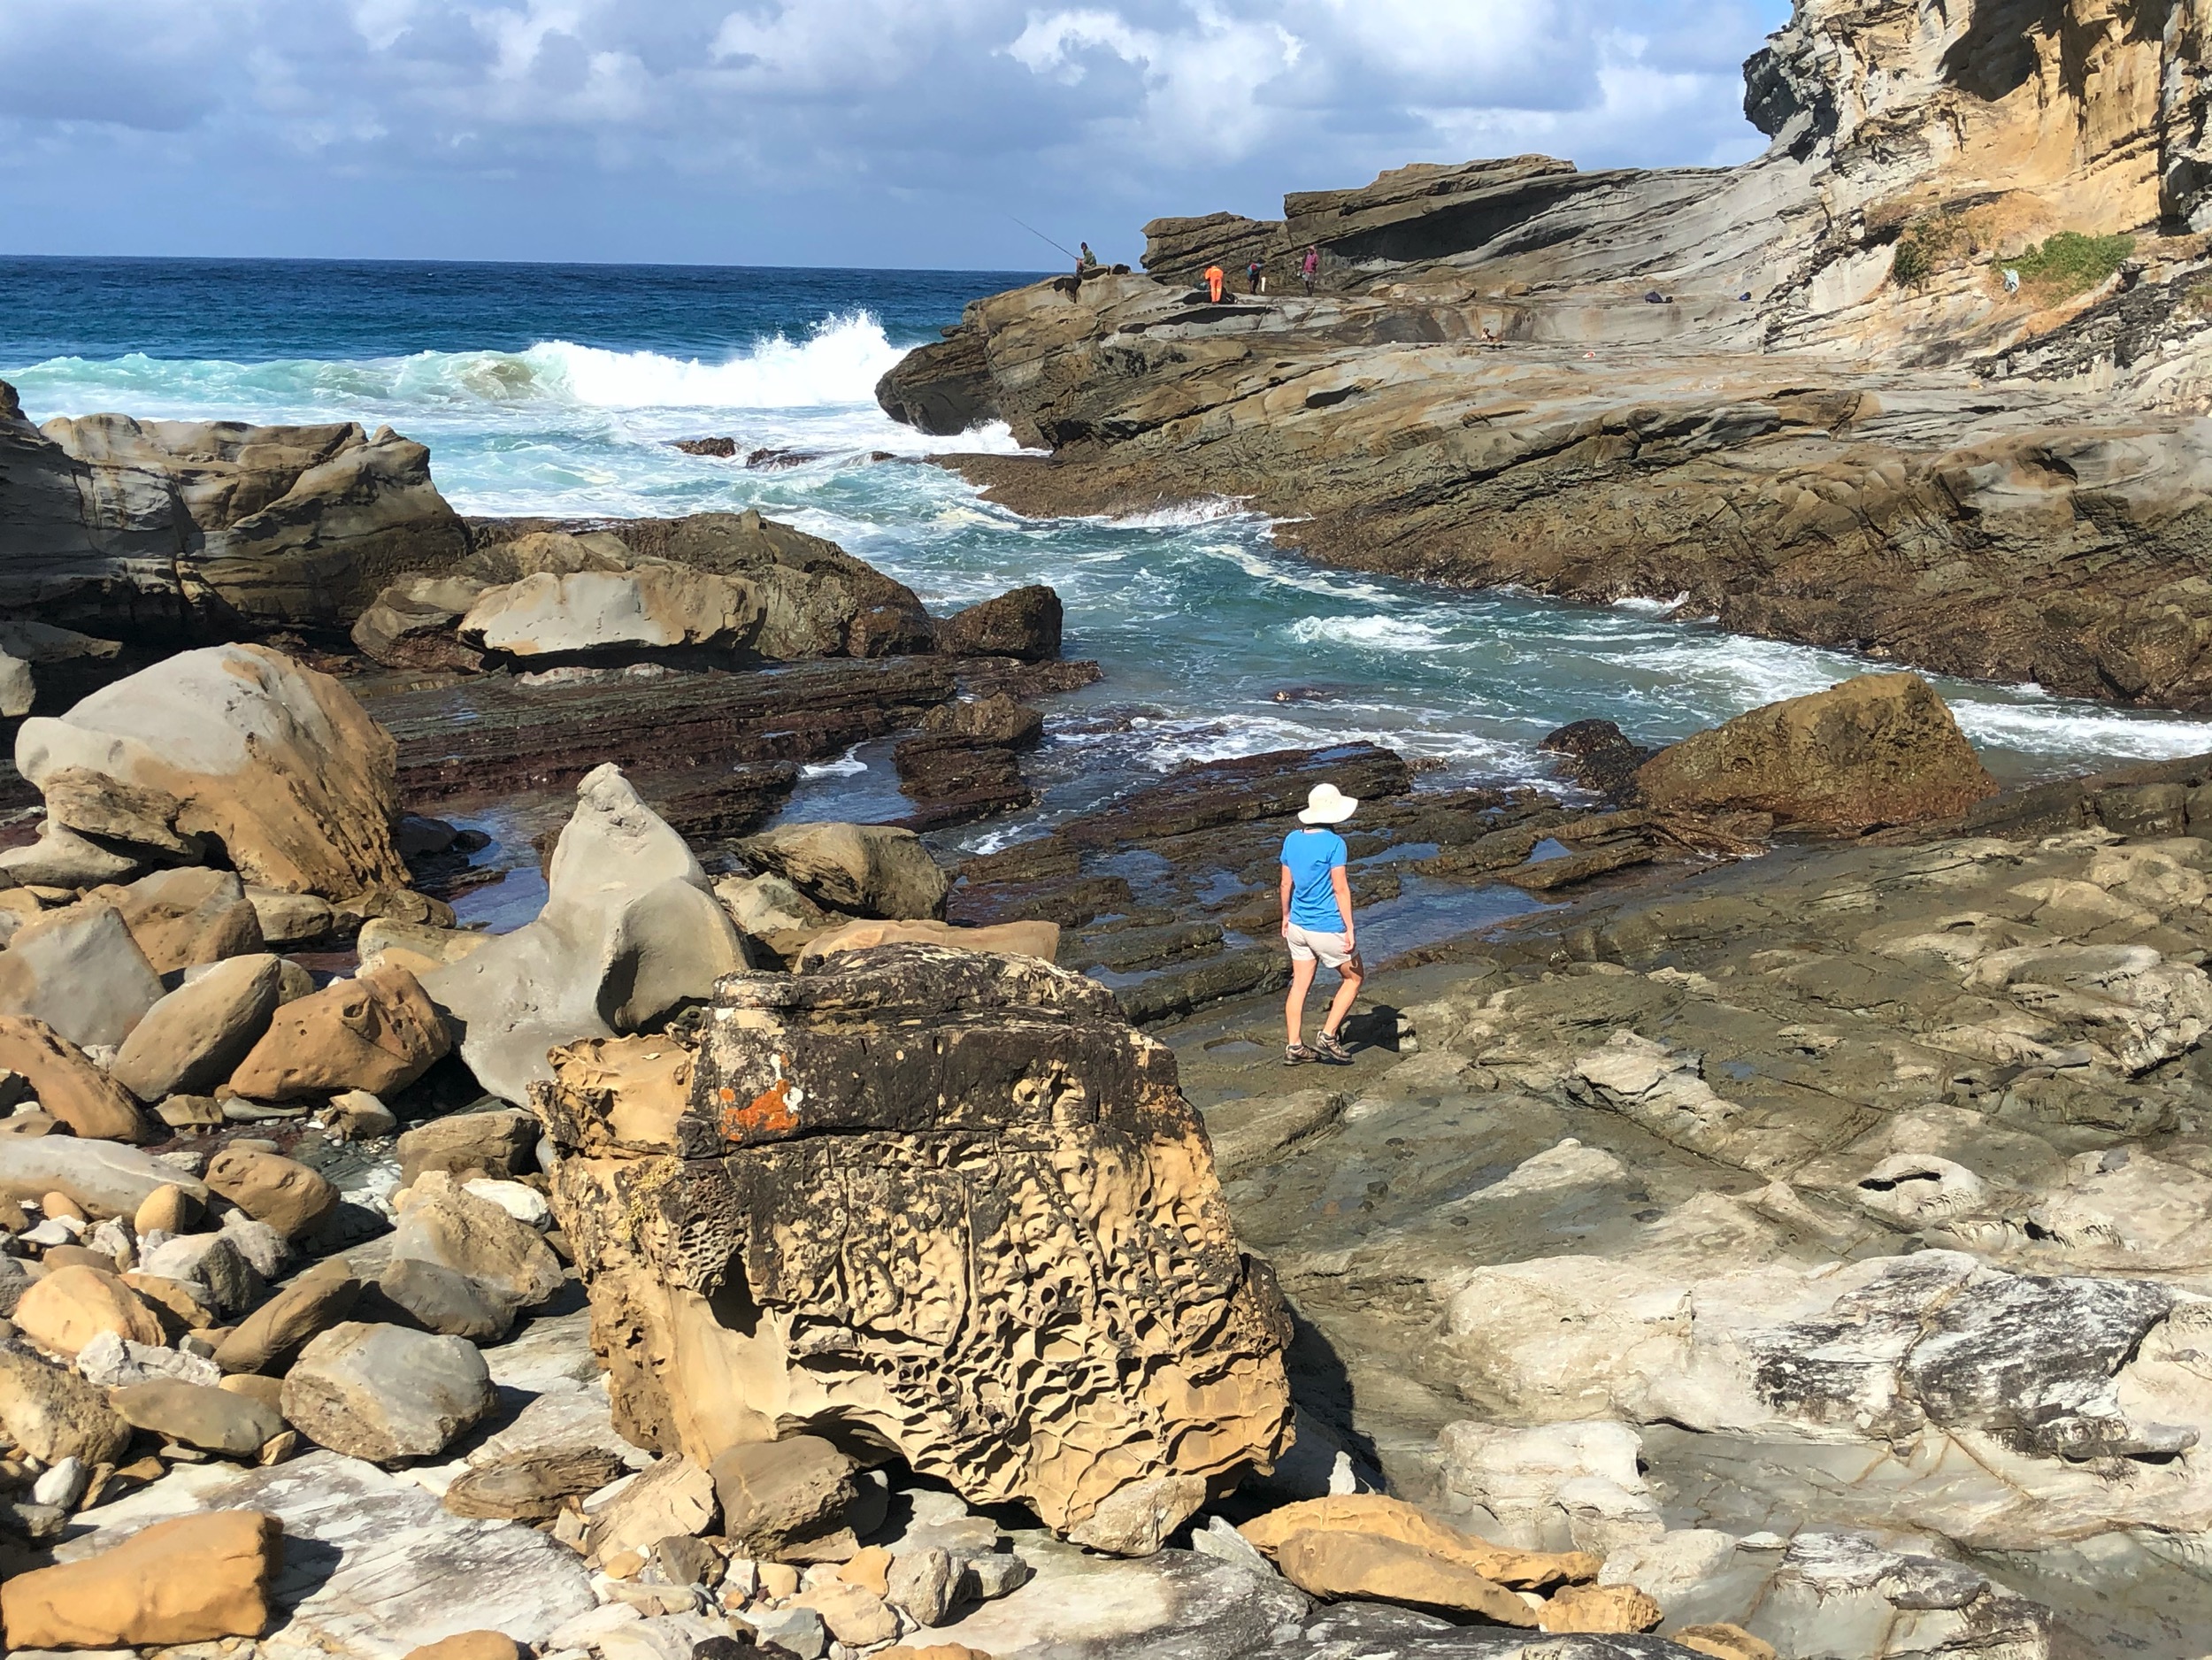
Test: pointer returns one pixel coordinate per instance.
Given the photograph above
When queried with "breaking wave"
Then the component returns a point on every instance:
(835, 364)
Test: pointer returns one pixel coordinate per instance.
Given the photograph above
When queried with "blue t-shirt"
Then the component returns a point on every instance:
(1309, 856)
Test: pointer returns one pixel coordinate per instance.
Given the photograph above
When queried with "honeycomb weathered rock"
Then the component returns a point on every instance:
(945, 1203)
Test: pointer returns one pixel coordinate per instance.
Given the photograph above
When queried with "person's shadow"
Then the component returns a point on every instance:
(1373, 1028)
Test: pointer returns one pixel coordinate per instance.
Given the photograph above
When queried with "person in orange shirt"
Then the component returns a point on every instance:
(1217, 279)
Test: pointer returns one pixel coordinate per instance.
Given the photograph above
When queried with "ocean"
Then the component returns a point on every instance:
(554, 390)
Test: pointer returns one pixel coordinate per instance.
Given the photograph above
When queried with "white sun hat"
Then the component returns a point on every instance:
(1327, 805)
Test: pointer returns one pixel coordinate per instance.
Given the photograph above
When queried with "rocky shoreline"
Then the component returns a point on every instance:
(1717, 389)
(1768, 1212)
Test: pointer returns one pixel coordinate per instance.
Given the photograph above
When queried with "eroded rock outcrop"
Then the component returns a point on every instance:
(1880, 749)
(180, 526)
(1799, 395)
(234, 753)
(993, 1241)
(630, 930)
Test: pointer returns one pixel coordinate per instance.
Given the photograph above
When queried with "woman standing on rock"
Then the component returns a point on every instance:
(1316, 896)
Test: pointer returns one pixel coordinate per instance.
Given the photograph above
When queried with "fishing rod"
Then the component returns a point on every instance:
(1039, 234)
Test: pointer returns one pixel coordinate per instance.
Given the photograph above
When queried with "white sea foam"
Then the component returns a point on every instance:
(838, 363)
(1183, 515)
(2063, 728)
(1391, 633)
(1652, 607)
(846, 765)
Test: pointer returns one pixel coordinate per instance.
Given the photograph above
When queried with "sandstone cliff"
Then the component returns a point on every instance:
(1921, 381)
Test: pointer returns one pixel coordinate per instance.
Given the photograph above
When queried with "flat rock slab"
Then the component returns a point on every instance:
(373, 1567)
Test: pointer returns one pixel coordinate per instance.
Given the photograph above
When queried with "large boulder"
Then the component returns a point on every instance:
(199, 1415)
(852, 1169)
(196, 1036)
(1880, 749)
(1024, 624)
(655, 605)
(190, 1579)
(71, 1306)
(630, 931)
(443, 1223)
(378, 1032)
(77, 1093)
(80, 972)
(235, 747)
(863, 869)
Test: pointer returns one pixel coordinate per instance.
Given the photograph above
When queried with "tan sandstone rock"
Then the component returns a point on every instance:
(271, 1189)
(1599, 1607)
(310, 1306)
(277, 762)
(774, 1492)
(184, 918)
(470, 1645)
(169, 1208)
(864, 870)
(653, 605)
(806, 1165)
(191, 1040)
(52, 1413)
(1879, 749)
(1040, 940)
(377, 1031)
(1342, 1563)
(1725, 1642)
(1377, 1514)
(71, 1306)
(67, 1084)
(194, 1579)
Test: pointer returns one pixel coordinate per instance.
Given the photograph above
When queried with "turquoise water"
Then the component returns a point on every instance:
(553, 389)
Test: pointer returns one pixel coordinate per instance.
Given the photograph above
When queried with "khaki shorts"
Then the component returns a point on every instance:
(1306, 944)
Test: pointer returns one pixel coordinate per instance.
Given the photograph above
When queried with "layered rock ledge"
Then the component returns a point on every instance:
(1798, 395)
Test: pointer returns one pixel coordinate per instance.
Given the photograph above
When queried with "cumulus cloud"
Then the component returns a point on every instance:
(869, 131)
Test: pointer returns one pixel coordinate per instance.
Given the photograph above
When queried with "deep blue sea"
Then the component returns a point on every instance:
(554, 390)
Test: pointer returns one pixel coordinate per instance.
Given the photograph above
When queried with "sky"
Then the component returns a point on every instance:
(875, 133)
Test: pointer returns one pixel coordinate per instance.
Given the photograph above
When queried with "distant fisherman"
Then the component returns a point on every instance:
(1256, 277)
(1316, 897)
(1217, 279)
(1310, 264)
(1088, 262)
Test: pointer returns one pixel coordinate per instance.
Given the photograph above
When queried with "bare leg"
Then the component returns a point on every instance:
(1341, 1004)
(1294, 1007)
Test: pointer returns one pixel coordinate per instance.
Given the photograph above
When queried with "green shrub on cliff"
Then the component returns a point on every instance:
(1924, 245)
(2070, 263)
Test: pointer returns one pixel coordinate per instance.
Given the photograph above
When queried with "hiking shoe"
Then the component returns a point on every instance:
(1298, 1055)
(1328, 1047)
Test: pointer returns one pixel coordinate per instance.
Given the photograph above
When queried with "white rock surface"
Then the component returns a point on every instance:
(375, 1567)
(654, 605)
